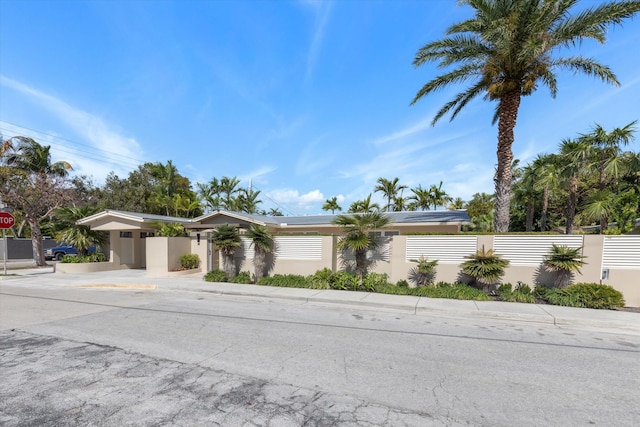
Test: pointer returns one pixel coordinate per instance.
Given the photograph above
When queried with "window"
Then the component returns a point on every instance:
(145, 234)
(126, 234)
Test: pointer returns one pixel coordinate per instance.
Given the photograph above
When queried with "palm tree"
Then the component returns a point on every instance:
(485, 267)
(438, 196)
(546, 170)
(609, 162)
(229, 187)
(563, 261)
(506, 49)
(575, 156)
(29, 156)
(247, 201)
(274, 212)
(262, 242)
(421, 199)
(525, 192)
(357, 236)
(209, 193)
(331, 205)
(364, 206)
(174, 229)
(226, 239)
(80, 236)
(456, 204)
(390, 189)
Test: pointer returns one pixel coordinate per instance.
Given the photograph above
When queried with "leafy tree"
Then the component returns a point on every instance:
(390, 189)
(173, 229)
(262, 242)
(480, 210)
(485, 267)
(358, 238)
(507, 50)
(563, 261)
(80, 236)
(226, 239)
(30, 182)
(331, 205)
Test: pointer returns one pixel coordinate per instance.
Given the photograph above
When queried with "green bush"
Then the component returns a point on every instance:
(320, 280)
(451, 291)
(374, 280)
(284, 280)
(189, 261)
(522, 293)
(344, 281)
(216, 276)
(388, 288)
(588, 295)
(244, 278)
(70, 259)
(402, 284)
(73, 259)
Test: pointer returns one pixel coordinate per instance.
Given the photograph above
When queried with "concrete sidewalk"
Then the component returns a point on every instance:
(537, 313)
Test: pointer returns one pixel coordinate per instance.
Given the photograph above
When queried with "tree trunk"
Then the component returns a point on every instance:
(571, 204)
(36, 242)
(361, 265)
(507, 115)
(258, 263)
(545, 207)
(531, 208)
(228, 265)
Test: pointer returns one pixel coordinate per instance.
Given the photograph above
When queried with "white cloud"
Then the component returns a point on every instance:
(296, 201)
(112, 148)
(322, 10)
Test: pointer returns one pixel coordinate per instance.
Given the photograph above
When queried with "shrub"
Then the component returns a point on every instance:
(388, 288)
(522, 293)
(342, 280)
(588, 295)
(70, 259)
(244, 277)
(321, 279)
(374, 280)
(563, 261)
(451, 291)
(424, 272)
(189, 261)
(73, 259)
(284, 280)
(216, 276)
(484, 267)
(402, 284)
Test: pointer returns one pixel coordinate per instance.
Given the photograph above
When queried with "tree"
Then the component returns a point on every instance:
(173, 229)
(274, 212)
(364, 206)
(421, 199)
(80, 236)
(31, 183)
(424, 273)
(331, 205)
(247, 201)
(563, 261)
(480, 210)
(358, 238)
(456, 204)
(575, 157)
(438, 196)
(226, 239)
(229, 188)
(546, 173)
(390, 189)
(507, 49)
(262, 242)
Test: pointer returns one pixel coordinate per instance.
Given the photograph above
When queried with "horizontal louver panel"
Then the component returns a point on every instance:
(445, 249)
(531, 250)
(381, 253)
(621, 252)
(299, 247)
(246, 250)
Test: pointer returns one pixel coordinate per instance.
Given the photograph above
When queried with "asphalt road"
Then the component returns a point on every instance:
(140, 357)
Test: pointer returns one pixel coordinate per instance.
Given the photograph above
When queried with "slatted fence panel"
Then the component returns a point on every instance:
(621, 252)
(530, 250)
(299, 248)
(445, 249)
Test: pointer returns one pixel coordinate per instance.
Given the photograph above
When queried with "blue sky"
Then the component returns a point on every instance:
(308, 99)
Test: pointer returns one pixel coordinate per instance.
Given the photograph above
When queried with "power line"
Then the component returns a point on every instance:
(276, 203)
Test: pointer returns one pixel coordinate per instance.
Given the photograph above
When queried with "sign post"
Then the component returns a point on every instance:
(6, 221)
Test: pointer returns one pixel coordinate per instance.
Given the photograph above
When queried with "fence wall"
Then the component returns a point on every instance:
(22, 248)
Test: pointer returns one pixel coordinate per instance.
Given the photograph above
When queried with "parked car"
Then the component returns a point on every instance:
(61, 250)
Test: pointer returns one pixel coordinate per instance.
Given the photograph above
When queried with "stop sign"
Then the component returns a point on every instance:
(6, 220)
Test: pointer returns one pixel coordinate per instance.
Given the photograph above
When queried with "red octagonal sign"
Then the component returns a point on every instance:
(6, 220)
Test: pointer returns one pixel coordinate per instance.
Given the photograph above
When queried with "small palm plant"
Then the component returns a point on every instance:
(226, 239)
(424, 273)
(485, 267)
(262, 242)
(358, 238)
(563, 261)
(174, 229)
(80, 236)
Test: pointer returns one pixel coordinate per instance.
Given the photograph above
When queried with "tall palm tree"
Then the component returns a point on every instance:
(421, 199)
(364, 206)
(525, 192)
(262, 242)
(575, 156)
(226, 239)
(456, 204)
(357, 236)
(609, 162)
(29, 156)
(507, 50)
(390, 189)
(229, 188)
(438, 196)
(331, 205)
(247, 200)
(546, 170)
